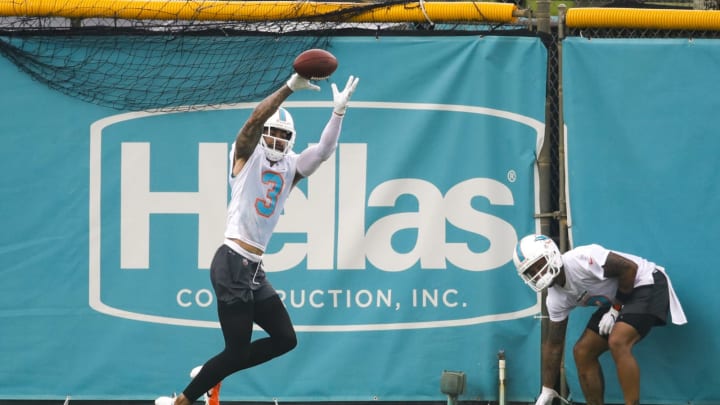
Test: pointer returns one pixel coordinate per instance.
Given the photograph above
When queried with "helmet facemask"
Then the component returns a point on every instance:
(540, 274)
(275, 145)
(538, 261)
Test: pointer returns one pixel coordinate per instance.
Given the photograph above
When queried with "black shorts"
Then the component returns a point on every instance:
(236, 278)
(648, 306)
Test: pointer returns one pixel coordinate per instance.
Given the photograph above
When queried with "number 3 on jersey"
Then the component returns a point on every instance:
(274, 183)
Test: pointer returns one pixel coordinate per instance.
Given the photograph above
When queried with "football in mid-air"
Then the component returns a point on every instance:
(315, 64)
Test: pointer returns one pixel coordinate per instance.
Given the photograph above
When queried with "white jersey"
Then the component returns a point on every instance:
(585, 283)
(258, 195)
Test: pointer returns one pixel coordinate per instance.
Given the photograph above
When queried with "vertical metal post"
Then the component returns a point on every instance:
(501, 377)
(544, 162)
(543, 15)
(544, 159)
(562, 217)
(562, 198)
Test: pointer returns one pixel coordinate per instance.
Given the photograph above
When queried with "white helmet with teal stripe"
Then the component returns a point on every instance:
(275, 147)
(538, 261)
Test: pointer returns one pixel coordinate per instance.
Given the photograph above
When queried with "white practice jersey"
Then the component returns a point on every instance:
(585, 283)
(258, 195)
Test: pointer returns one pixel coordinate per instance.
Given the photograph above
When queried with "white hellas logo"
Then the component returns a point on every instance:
(314, 214)
(364, 236)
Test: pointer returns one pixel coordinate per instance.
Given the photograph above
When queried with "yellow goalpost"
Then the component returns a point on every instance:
(355, 12)
(212, 10)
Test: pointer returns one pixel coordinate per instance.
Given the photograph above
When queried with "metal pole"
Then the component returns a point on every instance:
(543, 16)
(562, 220)
(563, 229)
(544, 164)
(544, 159)
(501, 376)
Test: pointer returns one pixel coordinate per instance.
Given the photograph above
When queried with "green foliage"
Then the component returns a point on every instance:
(532, 5)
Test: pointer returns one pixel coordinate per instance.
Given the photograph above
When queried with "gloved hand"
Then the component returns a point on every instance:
(297, 82)
(340, 99)
(608, 321)
(547, 395)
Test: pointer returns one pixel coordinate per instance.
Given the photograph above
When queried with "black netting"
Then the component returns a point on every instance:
(137, 72)
(167, 61)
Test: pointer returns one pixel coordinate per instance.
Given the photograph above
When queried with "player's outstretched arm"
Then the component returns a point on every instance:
(341, 98)
(311, 158)
(249, 135)
(297, 82)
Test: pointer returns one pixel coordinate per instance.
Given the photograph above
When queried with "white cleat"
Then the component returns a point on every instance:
(165, 401)
(206, 397)
(195, 371)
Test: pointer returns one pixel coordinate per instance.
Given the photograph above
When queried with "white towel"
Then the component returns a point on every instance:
(677, 315)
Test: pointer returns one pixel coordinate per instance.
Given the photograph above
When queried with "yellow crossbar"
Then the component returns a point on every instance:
(663, 19)
(438, 12)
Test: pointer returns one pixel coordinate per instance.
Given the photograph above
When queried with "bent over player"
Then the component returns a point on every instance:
(633, 295)
(264, 169)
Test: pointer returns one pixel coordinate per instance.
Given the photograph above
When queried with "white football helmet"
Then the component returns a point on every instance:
(282, 120)
(528, 252)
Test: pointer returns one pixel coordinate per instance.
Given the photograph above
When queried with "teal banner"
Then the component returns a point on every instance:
(642, 179)
(393, 259)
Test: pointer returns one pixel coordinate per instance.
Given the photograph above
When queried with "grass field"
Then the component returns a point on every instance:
(680, 4)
